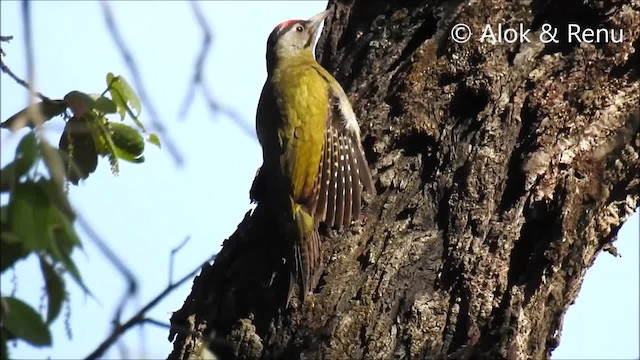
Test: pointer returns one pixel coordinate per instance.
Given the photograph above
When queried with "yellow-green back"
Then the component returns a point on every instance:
(292, 116)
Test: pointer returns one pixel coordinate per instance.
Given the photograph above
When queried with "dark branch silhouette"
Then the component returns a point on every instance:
(5, 69)
(4, 39)
(140, 317)
(175, 251)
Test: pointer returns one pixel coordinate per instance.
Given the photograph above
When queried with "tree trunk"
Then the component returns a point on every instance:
(502, 171)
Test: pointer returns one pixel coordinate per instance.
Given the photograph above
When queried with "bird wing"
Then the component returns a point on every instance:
(344, 168)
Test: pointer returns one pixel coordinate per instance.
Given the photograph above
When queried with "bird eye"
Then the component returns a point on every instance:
(299, 28)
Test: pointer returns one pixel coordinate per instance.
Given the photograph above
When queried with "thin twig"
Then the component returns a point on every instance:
(137, 80)
(5, 69)
(174, 251)
(215, 107)
(199, 82)
(34, 114)
(132, 284)
(28, 44)
(207, 36)
(157, 323)
(139, 317)
(4, 39)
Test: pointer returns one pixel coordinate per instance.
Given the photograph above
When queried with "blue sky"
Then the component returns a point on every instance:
(151, 208)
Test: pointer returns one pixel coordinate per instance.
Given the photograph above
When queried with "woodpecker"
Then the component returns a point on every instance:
(314, 167)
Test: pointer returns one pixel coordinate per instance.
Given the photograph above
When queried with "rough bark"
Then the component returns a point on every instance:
(502, 170)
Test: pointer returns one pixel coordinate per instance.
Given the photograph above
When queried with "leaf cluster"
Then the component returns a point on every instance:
(38, 218)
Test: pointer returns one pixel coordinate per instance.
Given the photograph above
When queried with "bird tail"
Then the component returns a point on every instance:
(306, 253)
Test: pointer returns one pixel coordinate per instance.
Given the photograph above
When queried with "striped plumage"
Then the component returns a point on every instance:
(344, 168)
(313, 167)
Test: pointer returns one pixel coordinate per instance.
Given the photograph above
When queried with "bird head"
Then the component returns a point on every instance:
(291, 37)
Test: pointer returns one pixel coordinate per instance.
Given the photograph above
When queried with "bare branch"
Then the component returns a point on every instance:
(36, 114)
(174, 251)
(215, 107)
(4, 39)
(157, 323)
(5, 69)
(199, 81)
(28, 44)
(33, 113)
(202, 56)
(132, 284)
(139, 317)
(137, 79)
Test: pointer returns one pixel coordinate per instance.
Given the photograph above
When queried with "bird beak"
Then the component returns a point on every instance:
(316, 20)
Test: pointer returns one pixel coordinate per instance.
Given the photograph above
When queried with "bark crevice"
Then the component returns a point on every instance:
(502, 171)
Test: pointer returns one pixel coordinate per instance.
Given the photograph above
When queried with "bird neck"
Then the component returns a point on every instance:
(277, 61)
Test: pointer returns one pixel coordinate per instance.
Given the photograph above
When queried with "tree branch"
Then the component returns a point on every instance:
(5, 69)
(199, 81)
(132, 284)
(174, 251)
(139, 317)
(4, 39)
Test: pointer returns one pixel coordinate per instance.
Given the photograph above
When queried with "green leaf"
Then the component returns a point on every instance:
(65, 259)
(79, 147)
(29, 215)
(46, 110)
(5, 227)
(58, 197)
(4, 351)
(99, 132)
(8, 177)
(79, 102)
(55, 290)
(26, 154)
(102, 136)
(104, 104)
(56, 187)
(73, 172)
(23, 322)
(104, 142)
(117, 94)
(138, 122)
(155, 140)
(54, 161)
(127, 139)
(130, 95)
(121, 154)
(12, 250)
(65, 239)
(63, 233)
(123, 96)
(4, 216)
(8, 237)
